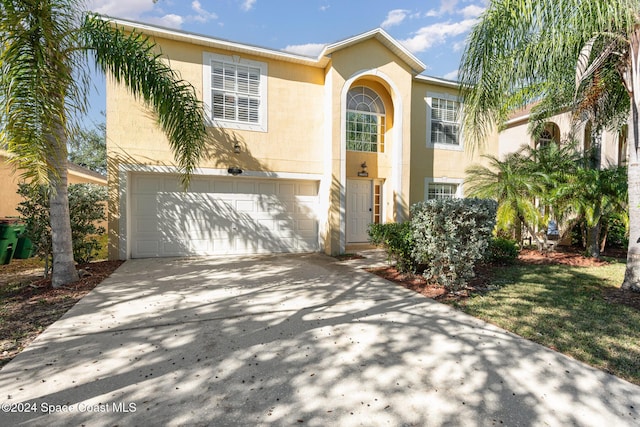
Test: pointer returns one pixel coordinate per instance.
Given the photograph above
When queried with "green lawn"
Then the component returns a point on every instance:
(564, 308)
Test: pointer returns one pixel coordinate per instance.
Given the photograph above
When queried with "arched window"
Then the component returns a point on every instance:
(365, 120)
(550, 133)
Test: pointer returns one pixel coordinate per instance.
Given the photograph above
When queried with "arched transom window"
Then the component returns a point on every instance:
(365, 120)
(551, 133)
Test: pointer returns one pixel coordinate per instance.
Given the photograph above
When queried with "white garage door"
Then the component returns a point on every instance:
(220, 215)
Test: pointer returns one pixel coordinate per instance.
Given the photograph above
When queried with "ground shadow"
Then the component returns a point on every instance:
(282, 340)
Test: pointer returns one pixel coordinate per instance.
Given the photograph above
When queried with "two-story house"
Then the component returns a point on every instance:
(305, 152)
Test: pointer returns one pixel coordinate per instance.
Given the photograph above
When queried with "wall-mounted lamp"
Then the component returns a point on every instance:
(363, 172)
(236, 148)
(235, 171)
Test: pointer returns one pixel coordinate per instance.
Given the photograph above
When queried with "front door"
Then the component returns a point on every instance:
(359, 210)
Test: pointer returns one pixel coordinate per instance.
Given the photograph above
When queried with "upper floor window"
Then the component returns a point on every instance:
(235, 92)
(444, 113)
(366, 120)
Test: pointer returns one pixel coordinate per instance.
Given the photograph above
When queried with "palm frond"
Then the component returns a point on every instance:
(37, 56)
(133, 61)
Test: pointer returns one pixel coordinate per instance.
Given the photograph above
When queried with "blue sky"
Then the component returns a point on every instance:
(433, 30)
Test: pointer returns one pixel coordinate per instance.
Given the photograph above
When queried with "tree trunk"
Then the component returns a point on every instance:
(593, 243)
(64, 269)
(632, 273)
(518, 231)
(631, 78)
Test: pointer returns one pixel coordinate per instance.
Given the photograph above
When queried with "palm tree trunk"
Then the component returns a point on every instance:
(631, 78)
(632, 273)
(64, 270)
(593, 237)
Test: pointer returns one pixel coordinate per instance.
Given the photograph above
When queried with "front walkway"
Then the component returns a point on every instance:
(291, 340)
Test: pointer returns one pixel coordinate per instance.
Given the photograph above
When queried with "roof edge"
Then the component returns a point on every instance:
(208, 41)
(381, 35)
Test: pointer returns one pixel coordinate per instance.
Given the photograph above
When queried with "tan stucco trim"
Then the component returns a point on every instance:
(383, 37)
(439, 82)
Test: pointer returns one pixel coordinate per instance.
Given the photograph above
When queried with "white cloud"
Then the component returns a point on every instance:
(324, 8)
(310, 49)
(202, 15)
(431, 35)
(472, 11)
(169, 20)
(453, 75)
(150, 12)
(248, 4)
(448, 6)
(130, 9)
(394, 17)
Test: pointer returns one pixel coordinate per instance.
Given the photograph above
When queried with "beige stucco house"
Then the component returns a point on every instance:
(562, 128)
(10, 178)
(305, 152)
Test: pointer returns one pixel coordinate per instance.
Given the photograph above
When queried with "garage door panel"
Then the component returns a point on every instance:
(245, 206)
(222, 215)
(147, 185)
(222, 187)
(246, 187)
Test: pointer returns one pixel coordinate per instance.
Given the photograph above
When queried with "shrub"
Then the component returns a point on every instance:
(451, 235)
(397, 240)
(616, 230)
(86, 209)
(34, 210)
(502, 250)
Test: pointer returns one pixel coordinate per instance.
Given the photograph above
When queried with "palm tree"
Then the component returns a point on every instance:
(514, 186)
(521, 49)
(44, 47)
(592, 195)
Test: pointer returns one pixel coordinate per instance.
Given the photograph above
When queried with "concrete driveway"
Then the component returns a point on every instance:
(291, 340)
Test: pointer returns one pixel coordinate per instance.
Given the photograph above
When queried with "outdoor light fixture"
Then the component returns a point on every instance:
(363, 172)
(236, 148)
(235, 171)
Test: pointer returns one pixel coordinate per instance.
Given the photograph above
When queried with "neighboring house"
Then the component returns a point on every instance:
(304, 154)
(561, 128)
(613, 148)
(10, 177)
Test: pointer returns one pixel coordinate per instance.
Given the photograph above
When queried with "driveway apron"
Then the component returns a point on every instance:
(291, 340)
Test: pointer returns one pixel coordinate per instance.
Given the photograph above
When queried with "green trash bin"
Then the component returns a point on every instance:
(8, 239)
(24, 247)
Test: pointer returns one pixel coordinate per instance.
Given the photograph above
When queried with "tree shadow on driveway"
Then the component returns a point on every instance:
(292, 339)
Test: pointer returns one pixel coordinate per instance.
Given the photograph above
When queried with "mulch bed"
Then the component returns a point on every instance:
(30, 304)
(482, 282)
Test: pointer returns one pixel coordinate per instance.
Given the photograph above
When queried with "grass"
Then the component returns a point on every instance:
(564, 308)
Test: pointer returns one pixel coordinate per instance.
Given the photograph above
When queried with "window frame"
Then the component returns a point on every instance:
(380, 121)
(236, 61)
(429, 115)
(458, 182)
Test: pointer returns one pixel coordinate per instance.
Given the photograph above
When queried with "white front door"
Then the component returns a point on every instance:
(359, 210)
